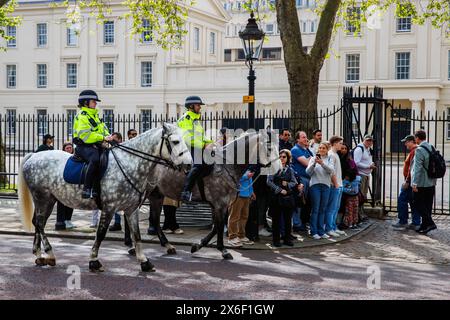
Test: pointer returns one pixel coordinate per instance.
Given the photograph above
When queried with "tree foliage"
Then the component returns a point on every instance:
(6, 18)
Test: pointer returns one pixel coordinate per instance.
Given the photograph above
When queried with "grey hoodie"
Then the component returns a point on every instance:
(320, 173)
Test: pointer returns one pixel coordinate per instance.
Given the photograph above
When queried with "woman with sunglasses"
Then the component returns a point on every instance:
(283, 199)
(320, 169)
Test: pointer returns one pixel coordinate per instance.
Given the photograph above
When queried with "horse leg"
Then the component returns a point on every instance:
(42, 213)
(219, 221)
(156, 205)
(204, 242)
(40, 261)
(133, 223)
(105, 219)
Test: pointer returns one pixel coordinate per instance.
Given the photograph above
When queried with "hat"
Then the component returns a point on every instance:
(368, 137)
(192, 100)
(409, 137)
(48, 136)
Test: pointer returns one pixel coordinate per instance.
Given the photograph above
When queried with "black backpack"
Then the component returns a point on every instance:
(362, 148)
(436, 167)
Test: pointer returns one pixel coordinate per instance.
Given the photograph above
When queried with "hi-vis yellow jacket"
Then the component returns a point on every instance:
(194, 134)
(88, 127)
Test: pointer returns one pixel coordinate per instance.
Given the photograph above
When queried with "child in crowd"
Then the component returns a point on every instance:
(351, 187)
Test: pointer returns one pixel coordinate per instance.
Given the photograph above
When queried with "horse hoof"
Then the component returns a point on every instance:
(172, 251)
(195, 247)
(227, 256)
(147, 266)
(40, 262)
(95, 266)
(132, 252)
(50, 261)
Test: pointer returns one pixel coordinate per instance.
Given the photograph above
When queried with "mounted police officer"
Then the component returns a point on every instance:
(194, 136)
(89, 132)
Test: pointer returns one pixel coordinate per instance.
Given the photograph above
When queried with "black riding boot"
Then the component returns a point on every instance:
(191, 178)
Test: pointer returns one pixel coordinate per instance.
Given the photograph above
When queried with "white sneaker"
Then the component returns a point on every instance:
(69, 224)
(178, 231)
(264, 233)
(235, 242)
(340, 232)
(168, 231)
(333, 234)
(325, 236)
(316, 237)
(246, 240)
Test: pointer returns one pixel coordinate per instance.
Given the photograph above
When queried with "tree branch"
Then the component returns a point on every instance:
(324, 32)
(3, 2)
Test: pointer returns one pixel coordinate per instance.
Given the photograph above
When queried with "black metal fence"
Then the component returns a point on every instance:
(359, 113)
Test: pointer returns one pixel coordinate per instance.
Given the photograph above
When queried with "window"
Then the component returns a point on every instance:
(72, 38)
(353, 14)
(108, 74)
(146, 74)
(448, 123)
(42, 76)
(212, 43)
(313, 26)
(71, 113)
(228, 31)
(71, 75)
(404, 24)
(147, 33)
(41, 35)
(304, 26)
(299, 3)
(108, 119)
(227, 55)
(196, 39)
(240, 55)
(271, 54)
(108, 32)
(269, 28)
(11, 31)
(402, 62)
(146, 120)
(352, 68)
(42, 121)
(11, 76)
(11, 118)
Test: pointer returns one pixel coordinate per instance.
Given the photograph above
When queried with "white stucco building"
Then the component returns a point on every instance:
(47, 66)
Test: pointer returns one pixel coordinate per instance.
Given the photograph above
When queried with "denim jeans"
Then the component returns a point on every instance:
(116, 218)
(319, 194)
(334, 203)
(404, 198)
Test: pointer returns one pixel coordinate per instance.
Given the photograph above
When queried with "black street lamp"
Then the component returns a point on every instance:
(252, 40)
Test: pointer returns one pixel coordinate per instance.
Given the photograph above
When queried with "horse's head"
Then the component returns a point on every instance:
(175, 149)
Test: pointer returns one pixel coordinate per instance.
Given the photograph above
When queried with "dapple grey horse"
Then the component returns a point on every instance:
(130, 168)
(221, 186)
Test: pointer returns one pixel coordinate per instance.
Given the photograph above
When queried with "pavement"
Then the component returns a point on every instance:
(10, 223)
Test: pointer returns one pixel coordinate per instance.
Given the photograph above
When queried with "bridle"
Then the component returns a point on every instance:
(148, 157)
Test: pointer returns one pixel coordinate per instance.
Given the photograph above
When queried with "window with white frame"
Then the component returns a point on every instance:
(404, 24)
(108, 32)
(299, 3)
(71, 114)
(42, 121)
(72, 37)
(108, 119)
(108, 74)
(41, 34)
(304, 26)
(269, 28)
(11, 31)
(402, 65)
(313, 26)
(227, 55)
(212, 43)
(228, 30)
(146, 35)
(196, 39)
(42, 76)
(11, 119)
(146, 73)
(353, 14)
(72, 75)
(352, 64)
(11, 76)
(146, 120)
(271, 54)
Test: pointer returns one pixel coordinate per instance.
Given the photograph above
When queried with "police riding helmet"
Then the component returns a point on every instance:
(87, 95)
(192, 100)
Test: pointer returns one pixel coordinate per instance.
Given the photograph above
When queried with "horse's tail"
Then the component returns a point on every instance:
(25, 200)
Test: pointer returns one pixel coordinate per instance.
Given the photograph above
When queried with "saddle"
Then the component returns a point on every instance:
(76, 167)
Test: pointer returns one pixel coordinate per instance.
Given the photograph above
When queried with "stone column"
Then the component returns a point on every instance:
(415, 114)
(430, 114)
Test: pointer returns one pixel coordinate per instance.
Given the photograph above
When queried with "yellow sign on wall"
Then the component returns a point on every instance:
(248, 99)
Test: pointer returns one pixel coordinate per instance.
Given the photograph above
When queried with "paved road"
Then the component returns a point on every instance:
(337, 272)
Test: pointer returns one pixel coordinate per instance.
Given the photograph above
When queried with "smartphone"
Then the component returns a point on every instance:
(318, 155)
